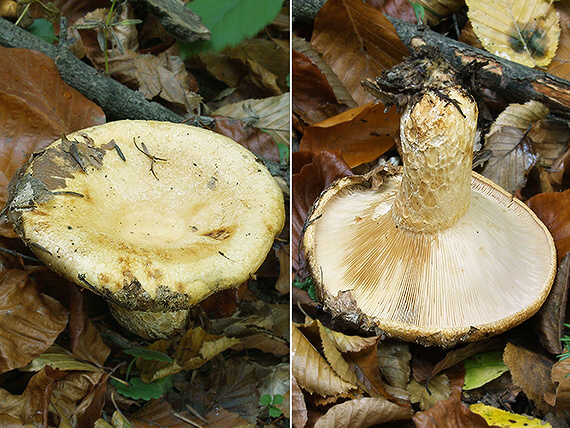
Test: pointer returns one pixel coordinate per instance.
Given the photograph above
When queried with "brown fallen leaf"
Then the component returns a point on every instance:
(362, 133)
(254, 139)
(189, 352)
(531, 371)
(31, 407)
(311, 174)
(230, 384)
(307, 52)
(343, 30)
(450, 413)
(268, 55)
(86, 343)
(394, 362)
(299, 416)
(271, 115)
(36, 108)
(313, 97)
(29, 321)
(428, 395)
(559, 375)
(156, 413)
(512, 157)
(80, 397)
(312, 371)
(554, 210)
(363, 412)
(549, 320)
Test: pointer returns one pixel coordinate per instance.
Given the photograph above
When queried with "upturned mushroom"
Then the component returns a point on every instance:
(153, 216)
(435, 253)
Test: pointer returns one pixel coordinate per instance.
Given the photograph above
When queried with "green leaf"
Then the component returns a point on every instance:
(265, 400)
(277, 399)
(419, 11)
(274, 412)
(229, 22)
(283, 153)
(139, 390)
(481, 369)
(43, 29)
(149, 354)
(57, 357)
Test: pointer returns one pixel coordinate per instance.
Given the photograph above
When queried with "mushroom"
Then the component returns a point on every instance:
(435, 254)
(153, 216)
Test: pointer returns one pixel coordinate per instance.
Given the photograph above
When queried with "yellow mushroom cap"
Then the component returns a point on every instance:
(151, 215)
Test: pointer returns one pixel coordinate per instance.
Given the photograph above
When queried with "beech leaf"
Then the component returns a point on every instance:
(520, 116)
(482, 368)
(357, 41)
(502, 418)
(311, 370)
(29, 321)
(394, 361)
(511, 159)
(362, 133)
(271, 115)
(559, 375)
(299, 415)
(554, 211)
(59, 358)
(530, 371)
(549, 321)
(362, 412)
(437, 390)
(37, 108)
(523, 31)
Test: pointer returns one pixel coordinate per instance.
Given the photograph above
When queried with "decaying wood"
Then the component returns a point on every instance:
(116, 100)
(517, 83)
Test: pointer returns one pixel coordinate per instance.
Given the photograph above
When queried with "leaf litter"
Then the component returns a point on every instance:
(64, 358)
(528, 147)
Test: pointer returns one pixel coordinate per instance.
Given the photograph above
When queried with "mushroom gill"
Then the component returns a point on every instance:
(436, 254)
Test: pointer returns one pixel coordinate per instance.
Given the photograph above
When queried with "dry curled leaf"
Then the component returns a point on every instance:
(29, 321)
(36, 108)
(428, 395)
(531, 371)
(450, 413)
(344, 29)
(271, 115)
(549, 321)
(362, 133)
(394, 361)
(559, 375)
(512, 158)
(313, 97)
(299, 416)
(524, 31)
(311, 370)
(362, 412)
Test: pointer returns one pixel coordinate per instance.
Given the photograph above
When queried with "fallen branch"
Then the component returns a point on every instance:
(116, 100)
(516, 82)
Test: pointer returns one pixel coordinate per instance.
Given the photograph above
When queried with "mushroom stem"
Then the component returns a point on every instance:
(150, 325)
(436, 137)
